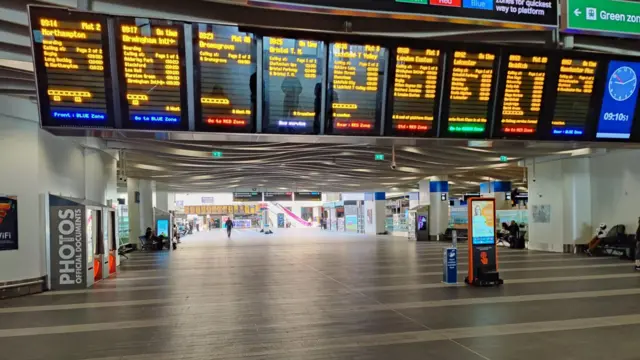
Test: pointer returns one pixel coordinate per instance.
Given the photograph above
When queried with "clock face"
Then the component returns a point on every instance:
(622, 83)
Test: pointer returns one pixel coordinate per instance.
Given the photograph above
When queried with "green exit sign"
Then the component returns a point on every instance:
(379, 157)
(602, 17)
(216, 154)
(504, 158)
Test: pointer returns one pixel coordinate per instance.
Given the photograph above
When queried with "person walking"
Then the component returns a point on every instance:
(229, 225)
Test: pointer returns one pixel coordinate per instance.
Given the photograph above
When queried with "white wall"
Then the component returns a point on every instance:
(584, 192)
(615, 189)
(33, 163)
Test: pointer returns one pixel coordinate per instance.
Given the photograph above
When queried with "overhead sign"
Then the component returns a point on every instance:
(249, 196)
(495, 12)
(601, 16)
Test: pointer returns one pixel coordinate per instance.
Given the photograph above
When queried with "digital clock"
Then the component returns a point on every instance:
(622, 83)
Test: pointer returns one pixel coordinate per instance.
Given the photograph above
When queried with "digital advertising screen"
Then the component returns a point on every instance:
(619, 100)
(308, 196)
(356, 73)
(522, 100)
(226, 80)
(72, 68)
(162, 228)
(573, 97)
(249, 196)
(152, 74)
(483, 222)
(277, 196)
(498, 12)
(470, 94)
(293, 70)
(414, 91)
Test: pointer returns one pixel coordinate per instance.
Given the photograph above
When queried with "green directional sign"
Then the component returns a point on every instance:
(379, 157)
(602, 16)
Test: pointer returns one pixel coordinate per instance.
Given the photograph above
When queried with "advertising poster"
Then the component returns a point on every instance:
(8, 223)
(67, 244)
(483, 223)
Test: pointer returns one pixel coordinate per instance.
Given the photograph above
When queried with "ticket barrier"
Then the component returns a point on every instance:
(483, 252)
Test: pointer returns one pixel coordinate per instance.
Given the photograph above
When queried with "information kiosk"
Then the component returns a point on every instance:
(483, 252)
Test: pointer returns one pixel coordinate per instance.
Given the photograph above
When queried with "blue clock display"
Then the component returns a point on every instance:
(622, 83)
(619, 101)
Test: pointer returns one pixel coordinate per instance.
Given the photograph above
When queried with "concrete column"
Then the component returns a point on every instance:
(375, 215)
(140, 211)
(439, 206)
(497, 190)
(424, 197)
(133, 206)
(414, 200)
(171, 199)
(146, 188)
(162, 200)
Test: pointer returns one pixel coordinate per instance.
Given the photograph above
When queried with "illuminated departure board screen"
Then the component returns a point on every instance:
(575, 85)
(522, 101)
(414, 90)
(227, 80)
(356, 73)
(72, 67)
(152, 73)
(293, 85)
(471, 86)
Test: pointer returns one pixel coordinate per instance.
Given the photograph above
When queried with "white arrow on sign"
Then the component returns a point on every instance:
(577, 12)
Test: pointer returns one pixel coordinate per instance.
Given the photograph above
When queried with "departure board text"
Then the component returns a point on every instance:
(522, 99)
(152, 59)
(415, 87)
(293, 86)
(355, 87)
(471, 84)
(69, 51)
(227, 66)
(575, 85)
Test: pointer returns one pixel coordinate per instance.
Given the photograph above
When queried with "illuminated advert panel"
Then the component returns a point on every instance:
(356, 74)
(151, 60)
(72, 68)
(292, 76)
(225, 68)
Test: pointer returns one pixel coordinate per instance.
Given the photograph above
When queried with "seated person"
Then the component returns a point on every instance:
(503, 234)
(598, 236)
(153, 241)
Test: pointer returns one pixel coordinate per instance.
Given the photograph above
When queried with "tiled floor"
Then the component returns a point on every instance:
(308, 294)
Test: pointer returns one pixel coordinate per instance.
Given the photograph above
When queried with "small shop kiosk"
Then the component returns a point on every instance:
(82, 244)
(483, 252)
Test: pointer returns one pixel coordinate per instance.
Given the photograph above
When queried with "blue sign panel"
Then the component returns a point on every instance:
(619, 100)
(450, 266)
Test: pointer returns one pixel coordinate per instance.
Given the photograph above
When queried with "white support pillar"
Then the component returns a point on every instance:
(140, 202)
(436, 190)
(162, 200)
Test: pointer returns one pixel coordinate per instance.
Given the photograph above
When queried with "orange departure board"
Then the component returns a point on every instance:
(72, 68)
(227, 78)
(524, 87)
(573, 97)
(471, 87)
(356, 73)
(152, 71)
(293, 85)
(414, 91)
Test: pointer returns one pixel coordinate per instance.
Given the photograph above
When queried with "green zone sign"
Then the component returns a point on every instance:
(601, 16)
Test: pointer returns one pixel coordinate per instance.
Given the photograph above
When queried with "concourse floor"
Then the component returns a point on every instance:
(314, 295)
